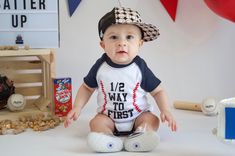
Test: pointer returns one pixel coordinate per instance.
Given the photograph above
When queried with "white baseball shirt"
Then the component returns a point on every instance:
(121, 89)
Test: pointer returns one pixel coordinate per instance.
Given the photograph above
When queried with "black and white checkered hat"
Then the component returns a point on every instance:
(127, 16)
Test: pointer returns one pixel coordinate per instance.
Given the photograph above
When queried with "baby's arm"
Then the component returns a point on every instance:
(161, 99)
(83, 95)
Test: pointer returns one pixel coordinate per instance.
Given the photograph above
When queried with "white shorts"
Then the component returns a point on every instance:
(124, 126)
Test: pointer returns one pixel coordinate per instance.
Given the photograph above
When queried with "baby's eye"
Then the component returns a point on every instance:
(129, 37)
(113, 37)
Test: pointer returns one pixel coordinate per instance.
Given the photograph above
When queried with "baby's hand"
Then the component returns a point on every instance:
(71, 116)
(167, 116)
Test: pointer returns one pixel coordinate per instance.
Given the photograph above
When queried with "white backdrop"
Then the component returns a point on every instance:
(194, 56)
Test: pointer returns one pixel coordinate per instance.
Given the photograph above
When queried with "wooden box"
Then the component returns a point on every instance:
(32, 72)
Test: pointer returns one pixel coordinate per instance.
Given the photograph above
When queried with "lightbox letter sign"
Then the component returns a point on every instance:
(29, 22)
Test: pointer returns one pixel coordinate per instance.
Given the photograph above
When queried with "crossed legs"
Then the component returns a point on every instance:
(104, 124)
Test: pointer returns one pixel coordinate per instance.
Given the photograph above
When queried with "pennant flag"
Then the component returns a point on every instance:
(171, 7)
(73, 4)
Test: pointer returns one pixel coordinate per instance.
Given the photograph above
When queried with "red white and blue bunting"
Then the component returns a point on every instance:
(223, 8)
(73, 4)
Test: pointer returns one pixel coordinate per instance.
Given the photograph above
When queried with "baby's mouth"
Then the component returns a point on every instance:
(121, 52)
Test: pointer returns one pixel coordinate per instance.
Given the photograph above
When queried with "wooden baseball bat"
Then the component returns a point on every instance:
(187, 105)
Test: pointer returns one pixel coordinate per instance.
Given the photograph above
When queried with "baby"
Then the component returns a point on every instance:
(123, 79)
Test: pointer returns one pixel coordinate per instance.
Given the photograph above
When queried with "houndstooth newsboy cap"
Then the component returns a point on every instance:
(127, 16)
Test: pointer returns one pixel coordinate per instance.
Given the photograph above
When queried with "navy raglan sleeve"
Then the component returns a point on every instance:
(90, 79)
(149, 80)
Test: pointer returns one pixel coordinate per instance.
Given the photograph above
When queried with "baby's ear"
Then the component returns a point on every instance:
(141, 43)
(102, 44)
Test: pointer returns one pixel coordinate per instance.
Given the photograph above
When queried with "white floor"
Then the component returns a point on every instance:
(194, 137)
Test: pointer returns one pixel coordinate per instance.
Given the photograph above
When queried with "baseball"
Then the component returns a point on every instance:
(16, 102)
(209, 106)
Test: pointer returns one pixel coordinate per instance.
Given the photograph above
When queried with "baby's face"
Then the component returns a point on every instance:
(121, 42)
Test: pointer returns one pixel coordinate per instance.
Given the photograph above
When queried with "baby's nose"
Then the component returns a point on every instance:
(122, 43)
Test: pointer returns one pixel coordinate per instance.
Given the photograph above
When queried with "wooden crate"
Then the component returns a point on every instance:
(32, 72)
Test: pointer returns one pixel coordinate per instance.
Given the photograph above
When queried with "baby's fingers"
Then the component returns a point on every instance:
(66, 123)
(171, 123)
(163, 117)
(173, 126)
(75, 116)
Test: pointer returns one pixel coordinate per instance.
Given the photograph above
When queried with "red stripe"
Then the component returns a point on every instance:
(134, 97)
(105, 97)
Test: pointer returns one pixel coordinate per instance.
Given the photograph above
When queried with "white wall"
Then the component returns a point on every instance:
(194, 56)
